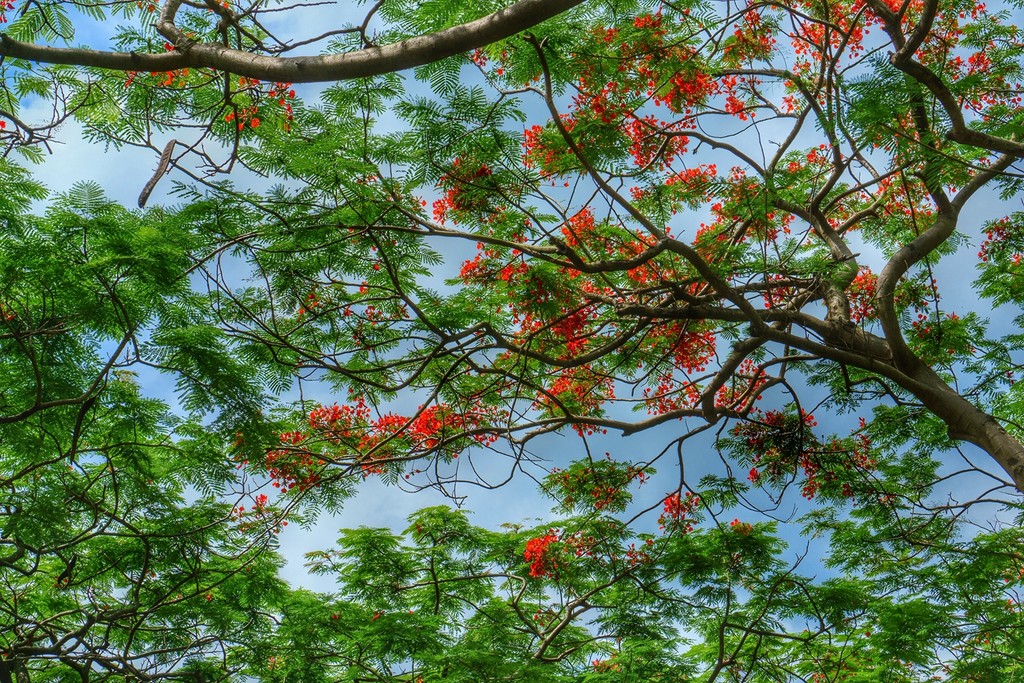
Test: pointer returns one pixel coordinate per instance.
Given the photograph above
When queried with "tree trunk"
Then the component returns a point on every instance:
(15, 667)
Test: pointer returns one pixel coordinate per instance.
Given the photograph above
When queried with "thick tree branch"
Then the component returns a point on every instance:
(903, 59)
(368, 62)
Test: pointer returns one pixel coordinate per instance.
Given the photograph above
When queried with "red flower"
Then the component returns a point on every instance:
(536, 554)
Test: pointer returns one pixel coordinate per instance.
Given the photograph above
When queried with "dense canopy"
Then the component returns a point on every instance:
(735, 288)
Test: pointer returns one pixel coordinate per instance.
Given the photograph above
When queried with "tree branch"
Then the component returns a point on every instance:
(371, 61)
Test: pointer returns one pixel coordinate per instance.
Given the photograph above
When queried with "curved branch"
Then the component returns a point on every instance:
(371, 61)
(917, 249)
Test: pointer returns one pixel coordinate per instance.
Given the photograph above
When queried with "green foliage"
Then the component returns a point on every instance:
(638, 217)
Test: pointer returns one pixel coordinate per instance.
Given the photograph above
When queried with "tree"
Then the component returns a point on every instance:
(726, 219)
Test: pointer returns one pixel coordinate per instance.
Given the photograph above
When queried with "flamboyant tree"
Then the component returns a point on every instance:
(717, 229)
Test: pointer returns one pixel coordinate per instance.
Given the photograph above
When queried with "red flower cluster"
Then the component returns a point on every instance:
(696, 177)
(259, 515)
(780, 444)
(744, 388)
(687, 90)
(742, 528)
(463, 187)
(293, 466)
(670, 395)
(572, 327)
(999, 235)
(579, 390)
(488, 265)
(752, 39)
(579, 227)
(349, 433)
(862, 295)
(280, 93)
(536, 553)
(676, 512)
(542, 148)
